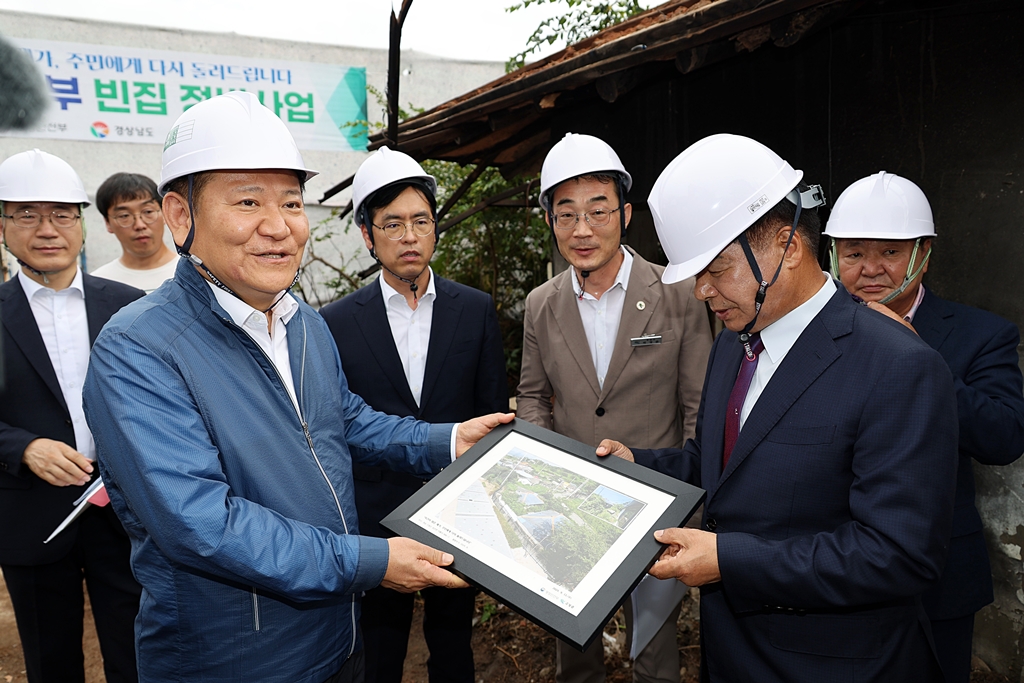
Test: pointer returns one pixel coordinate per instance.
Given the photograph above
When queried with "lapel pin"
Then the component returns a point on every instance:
(640, 305)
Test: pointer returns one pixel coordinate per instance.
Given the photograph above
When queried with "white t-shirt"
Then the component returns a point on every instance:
(146, 280)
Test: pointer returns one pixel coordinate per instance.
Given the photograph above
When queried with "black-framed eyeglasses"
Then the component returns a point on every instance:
(395, 230)
(598, 218)
(126, 219)
(59, 218)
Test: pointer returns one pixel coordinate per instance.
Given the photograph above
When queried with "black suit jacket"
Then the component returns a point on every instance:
(980, 349)
(32, 406)
(464, 376)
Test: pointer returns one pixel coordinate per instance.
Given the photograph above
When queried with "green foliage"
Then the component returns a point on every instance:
(582, 19)
(501, 250)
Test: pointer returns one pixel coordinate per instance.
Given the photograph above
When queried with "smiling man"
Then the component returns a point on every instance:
(51, 313)
(882, 231)
(130, 207)
(608, 350)
(826, 441)
(227, 432)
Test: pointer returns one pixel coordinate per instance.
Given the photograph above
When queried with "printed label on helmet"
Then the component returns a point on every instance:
(180, 133)
(759, 204)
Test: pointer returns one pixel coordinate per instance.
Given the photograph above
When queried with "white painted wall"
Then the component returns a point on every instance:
(425, 82)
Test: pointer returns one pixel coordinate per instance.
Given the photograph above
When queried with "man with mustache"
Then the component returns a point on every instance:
(608, 349)
(130, 207)
(414, 345)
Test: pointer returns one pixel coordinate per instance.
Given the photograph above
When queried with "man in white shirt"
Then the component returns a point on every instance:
(413, 344)
(131, 209)
(600, 340)
(826, 441)
(51, 314)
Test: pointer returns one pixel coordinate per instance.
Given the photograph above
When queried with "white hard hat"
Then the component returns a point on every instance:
(882, 206)
(228, 132)
(382, 168)
(712, 192)
(36, 176)
(576, 155)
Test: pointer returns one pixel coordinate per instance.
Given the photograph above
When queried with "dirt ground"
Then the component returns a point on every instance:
(506, 647)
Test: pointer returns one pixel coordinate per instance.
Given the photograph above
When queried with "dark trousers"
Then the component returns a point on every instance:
(447, 628)
(352, 671)
(49, 605)
(953, 640)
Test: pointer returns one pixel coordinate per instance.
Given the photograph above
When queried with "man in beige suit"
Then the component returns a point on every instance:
(608, 350)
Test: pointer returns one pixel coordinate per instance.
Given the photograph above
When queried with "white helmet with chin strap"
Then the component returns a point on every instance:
(233, 131)
(36, 176)
(711, 193)
(882, 206)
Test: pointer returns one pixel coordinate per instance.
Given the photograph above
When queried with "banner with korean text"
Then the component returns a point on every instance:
(126, 94)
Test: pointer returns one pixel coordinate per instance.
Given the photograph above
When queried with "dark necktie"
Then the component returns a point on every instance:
(739, 394)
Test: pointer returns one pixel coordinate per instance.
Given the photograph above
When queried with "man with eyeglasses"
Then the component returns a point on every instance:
(51, 313)
(608, 349)
(412, 344)
(131, 209)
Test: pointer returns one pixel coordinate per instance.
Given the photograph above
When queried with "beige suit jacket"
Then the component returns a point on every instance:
(651, 393)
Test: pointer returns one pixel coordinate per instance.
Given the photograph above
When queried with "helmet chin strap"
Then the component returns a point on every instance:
(744, 336)
(910, 276)
(183, 251)
(413, 287)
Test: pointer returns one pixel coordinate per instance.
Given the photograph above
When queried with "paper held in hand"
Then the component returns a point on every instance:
(96, 495)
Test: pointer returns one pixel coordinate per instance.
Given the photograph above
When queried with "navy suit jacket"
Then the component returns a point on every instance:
(32, 406)
(980, 349)
(834, 513)
(464, 376)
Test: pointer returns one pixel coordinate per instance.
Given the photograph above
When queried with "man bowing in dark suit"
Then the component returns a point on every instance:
(412, 344)
(51, 314)
(882, 230)
(825, 440)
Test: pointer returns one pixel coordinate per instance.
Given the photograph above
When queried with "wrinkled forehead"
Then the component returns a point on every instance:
(41, 207)
(861, 243)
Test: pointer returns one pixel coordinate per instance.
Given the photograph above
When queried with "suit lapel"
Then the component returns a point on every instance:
(99, 305)
(815, 349)
(372, 320)
(933, 321)
(633, 322)
(567, 317)
(443, 325)
(21, 325)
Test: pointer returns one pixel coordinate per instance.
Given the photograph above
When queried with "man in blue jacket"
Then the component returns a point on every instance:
(882, 230)
(226, 431)
(825, 440)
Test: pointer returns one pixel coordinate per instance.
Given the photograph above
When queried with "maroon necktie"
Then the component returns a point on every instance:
(751, 350)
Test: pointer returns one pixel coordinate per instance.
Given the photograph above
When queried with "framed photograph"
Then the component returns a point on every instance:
(541, 523)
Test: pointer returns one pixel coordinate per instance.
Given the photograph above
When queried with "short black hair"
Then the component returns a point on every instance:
(613, 178)
(762, 232)
(200, 180)
(389, 193)
(124, 186)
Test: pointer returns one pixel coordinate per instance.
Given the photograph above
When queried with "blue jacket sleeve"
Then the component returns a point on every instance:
(167, 483)
(990, 401)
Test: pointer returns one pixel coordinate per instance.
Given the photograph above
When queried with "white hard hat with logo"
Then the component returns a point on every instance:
(37, 176)
(382, 168)
(233, 131)
(882, 206)
(711, 193)
(577, 155)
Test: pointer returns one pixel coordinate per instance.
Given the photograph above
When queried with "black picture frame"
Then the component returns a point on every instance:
(621, 570)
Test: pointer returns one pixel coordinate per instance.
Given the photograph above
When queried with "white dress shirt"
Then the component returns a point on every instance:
(410, 329)
(64, 327)
(601, 316)
(255, 325)
(779, 337)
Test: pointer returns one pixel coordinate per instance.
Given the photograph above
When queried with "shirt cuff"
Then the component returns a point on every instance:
(455, 432)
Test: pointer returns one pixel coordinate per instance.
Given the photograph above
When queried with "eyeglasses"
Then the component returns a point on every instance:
(60, 218)
(126, 219)
(395, 230)
(598, 218)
